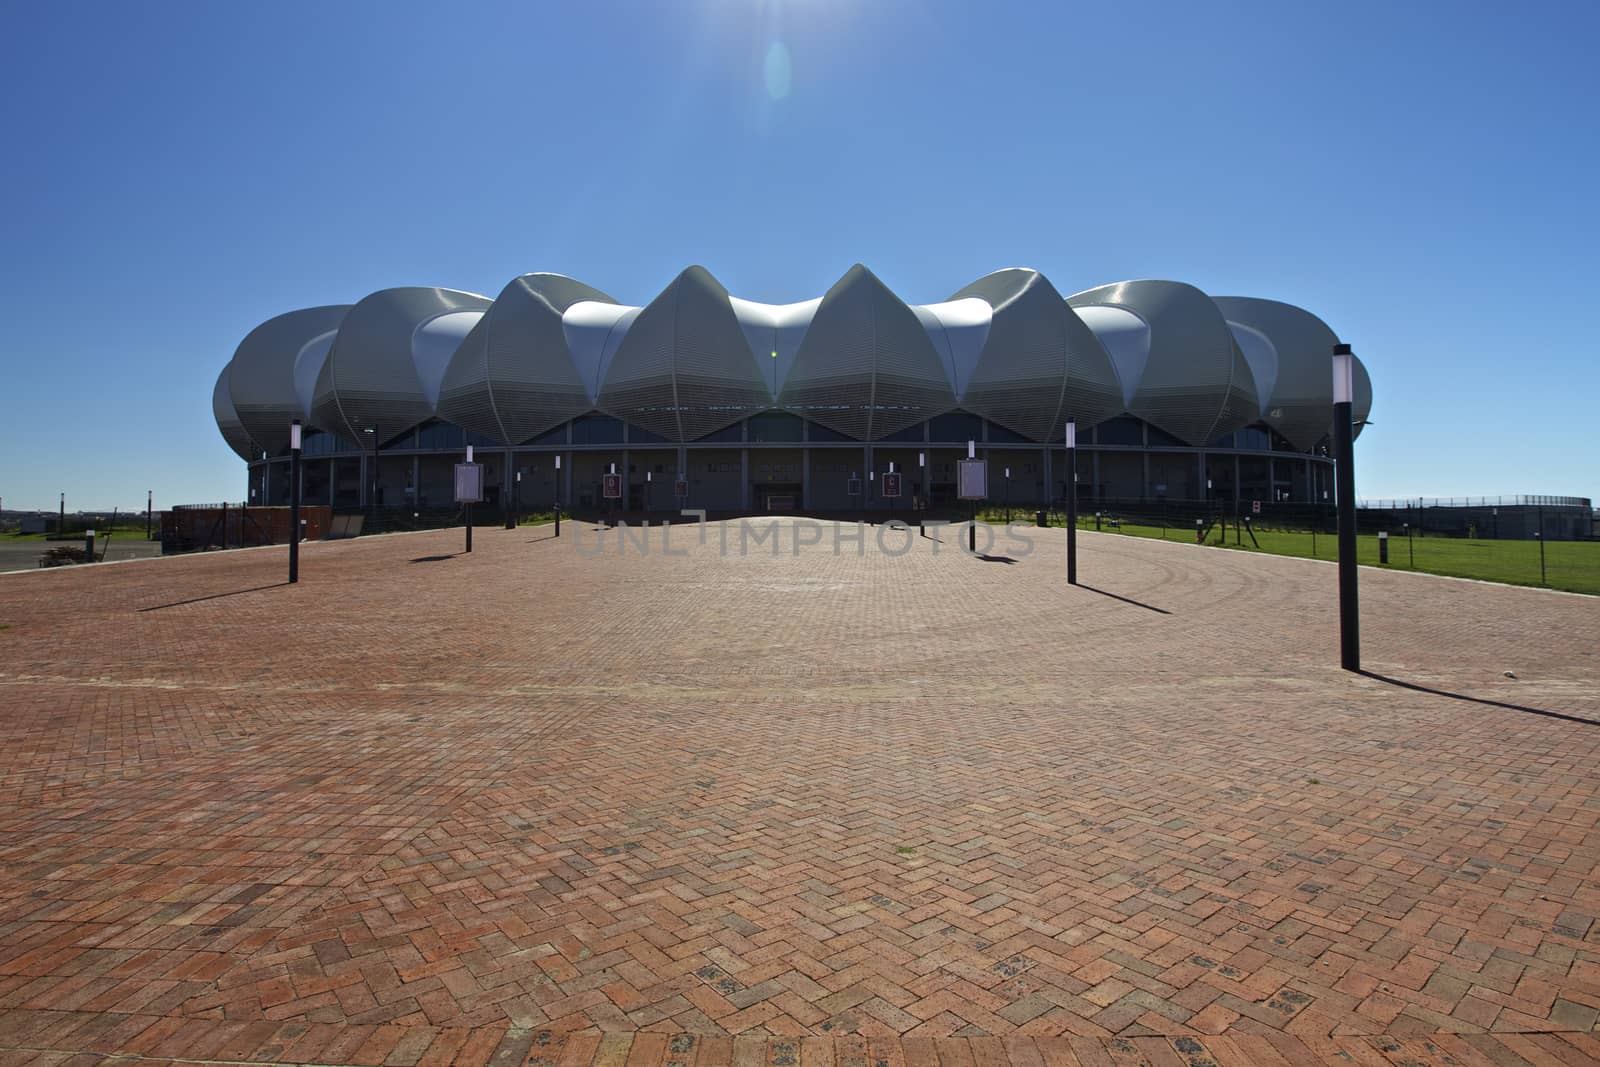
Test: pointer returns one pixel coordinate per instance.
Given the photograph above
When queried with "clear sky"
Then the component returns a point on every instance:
(1422, 176)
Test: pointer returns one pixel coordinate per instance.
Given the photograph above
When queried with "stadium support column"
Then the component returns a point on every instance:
(627, 479)
(805, 479)
(1345, 489)
(744, 479)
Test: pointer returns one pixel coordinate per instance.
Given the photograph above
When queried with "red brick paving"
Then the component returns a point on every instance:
(526, 806)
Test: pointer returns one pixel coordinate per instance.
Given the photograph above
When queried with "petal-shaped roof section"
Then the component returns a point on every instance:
(1195, 383)
(1300, 397)
(684, 367)
(866, 367)
(228, 420)
(385, 367)
(1362, 407)
(958, 330)
(774, 332)
(1041, 363)
(269, 365)
(513, 376)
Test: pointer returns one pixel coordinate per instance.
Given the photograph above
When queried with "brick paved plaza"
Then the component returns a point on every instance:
(528, 806)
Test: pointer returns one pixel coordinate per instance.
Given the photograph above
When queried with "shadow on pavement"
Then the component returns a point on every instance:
(1126, 600)
(213, 596)
(434, 559)
(1413, 686)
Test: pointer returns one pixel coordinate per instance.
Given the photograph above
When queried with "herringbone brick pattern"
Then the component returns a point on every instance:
(791, 811)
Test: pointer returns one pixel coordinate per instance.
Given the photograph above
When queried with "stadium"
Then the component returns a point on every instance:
(1178, 396)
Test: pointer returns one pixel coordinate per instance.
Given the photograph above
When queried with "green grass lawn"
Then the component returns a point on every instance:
(120, 531)
(1570, 565)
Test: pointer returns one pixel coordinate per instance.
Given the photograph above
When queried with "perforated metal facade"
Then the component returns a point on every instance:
(273, 367)
(1040, 363)
(1195, 383)
(513, 377)
(228, 423)
(684, 369)
(379, 374)
(866, 366)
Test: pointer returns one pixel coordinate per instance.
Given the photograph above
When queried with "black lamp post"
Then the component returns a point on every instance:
(1072, 501)
(294, 501)
(1345, 489)
(972, 528)
(468, 504)
(149, 505)
(515, 503)
(558, 495)
(372, 491)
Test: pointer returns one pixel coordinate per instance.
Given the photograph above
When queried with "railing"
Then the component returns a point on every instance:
(1514, 501)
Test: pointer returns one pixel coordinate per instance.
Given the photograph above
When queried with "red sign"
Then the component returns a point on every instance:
(1255, 506)
(680, 488)
(891, 485)
(611, 486)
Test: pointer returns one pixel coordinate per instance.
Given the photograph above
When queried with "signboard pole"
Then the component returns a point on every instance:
(558, 495)
(469, 507)
(1072, 502)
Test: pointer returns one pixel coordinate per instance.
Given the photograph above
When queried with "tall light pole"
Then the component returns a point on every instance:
(1345, 489)
(972, 528)
(294, 501)
(558, 494)
(372, 490)
(1072, 501)
(468, 505)
(149, 504)
(922, 490)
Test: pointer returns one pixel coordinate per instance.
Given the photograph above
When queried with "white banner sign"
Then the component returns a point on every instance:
(974, 483)
(469, 483)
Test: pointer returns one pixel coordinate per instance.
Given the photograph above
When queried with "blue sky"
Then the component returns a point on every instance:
(1421, 176)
